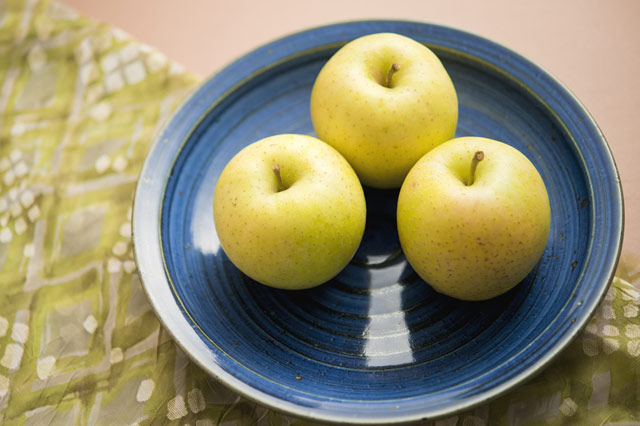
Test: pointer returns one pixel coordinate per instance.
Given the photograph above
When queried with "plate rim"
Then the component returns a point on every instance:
(141, 247)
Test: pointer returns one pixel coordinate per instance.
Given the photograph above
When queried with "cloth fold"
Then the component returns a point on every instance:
(79, 344)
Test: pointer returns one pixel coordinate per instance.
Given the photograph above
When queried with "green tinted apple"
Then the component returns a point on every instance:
(473, 217)
(383, 101)
(289, 211)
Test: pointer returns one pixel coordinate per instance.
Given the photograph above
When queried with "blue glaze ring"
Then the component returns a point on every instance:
(376, 344)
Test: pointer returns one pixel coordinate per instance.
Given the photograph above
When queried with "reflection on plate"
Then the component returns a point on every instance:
(376, 344)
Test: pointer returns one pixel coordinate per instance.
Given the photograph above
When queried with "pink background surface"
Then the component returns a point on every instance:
(592, 46)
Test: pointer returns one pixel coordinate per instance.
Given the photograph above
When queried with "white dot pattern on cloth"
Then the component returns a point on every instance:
(102, 163)
(176, 408)
(120, 248)
(21, 169)
(119, 164)
(26, 199)
(196, 400)
(45, 366)
(101, 111)
(90, 324)
(630, 311)
(607, 312)
(114, 266)
(129, 266)
(12, 356)
(633, 347)
(116, 355)
(632, 331)
(5, 235)
(34, 213)
(20, 332)
(125, 230)
(568, 407)
(145, 390)
(610, 345)
(20, 226)
(590, 347)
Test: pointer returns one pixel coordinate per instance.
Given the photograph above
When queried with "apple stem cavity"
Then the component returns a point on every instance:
(477, 157)
(276, 170)
(395, 67)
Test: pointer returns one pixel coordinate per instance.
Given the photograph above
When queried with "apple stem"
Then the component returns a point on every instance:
(276, 170)
(395, 67)
(477, 157)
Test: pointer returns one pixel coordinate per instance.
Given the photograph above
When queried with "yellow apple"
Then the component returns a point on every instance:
(289, 211)
(383, 101)
(473, 218)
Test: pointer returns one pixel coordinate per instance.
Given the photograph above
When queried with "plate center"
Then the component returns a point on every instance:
(379, 261)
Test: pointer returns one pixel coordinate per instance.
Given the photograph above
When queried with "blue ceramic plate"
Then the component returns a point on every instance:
(376, 344)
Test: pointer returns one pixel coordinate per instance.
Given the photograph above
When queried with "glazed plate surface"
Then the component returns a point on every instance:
(376, 344)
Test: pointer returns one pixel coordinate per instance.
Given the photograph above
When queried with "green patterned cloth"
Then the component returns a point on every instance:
(79, 105)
